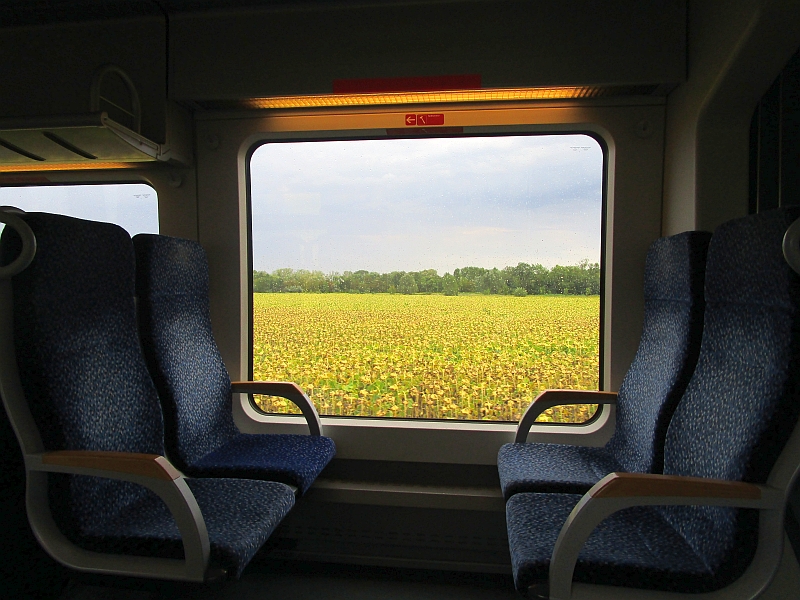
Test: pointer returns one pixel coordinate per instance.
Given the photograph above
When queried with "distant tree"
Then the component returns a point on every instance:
(407, 284)
(583, 278)
(261, 281)
(449, 285)
(519, 291)
(495, 280)
(466, 285)
(428, 281)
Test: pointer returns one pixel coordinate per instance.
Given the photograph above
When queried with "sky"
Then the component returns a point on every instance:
(133, 206)
(433, 203)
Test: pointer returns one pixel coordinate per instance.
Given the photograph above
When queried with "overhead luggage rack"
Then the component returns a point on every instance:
(91, 140)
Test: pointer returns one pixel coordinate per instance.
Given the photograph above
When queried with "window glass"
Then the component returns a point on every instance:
(441, 278)
(132, 206)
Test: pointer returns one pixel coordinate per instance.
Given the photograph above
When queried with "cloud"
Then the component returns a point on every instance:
(484, 231)
(303, 203)
(441, 203)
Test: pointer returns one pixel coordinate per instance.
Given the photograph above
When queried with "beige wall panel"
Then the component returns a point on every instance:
(736, 49)
(634, 138)
(177, 201)
(509, 42)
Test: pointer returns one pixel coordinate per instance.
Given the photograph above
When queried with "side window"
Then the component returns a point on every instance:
(436, 278)
(132, 206)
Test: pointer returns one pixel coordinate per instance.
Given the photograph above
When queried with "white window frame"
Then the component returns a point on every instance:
(75, 178)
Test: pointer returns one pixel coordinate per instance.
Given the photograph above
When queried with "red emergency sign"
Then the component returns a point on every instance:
(426, 120)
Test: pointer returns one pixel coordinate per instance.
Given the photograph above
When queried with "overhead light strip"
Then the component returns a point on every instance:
(67, 167)
(482, 95)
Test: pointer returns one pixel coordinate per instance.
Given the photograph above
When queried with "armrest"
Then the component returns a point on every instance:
(617, 491)
(640, 485)
(550, 398)
(151, 471)
(283, 389)
(146, 465)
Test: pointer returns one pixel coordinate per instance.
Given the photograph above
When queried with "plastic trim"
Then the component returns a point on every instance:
(550, 398)
(791, 246)
(283, 389)
(9, 216)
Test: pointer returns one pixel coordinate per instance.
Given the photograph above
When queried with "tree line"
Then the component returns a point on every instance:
(524, 279)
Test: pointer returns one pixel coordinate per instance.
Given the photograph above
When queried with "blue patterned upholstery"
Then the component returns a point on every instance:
(735, 417)
(653, 385)
(88, 388)
(635, 547)
(552, 468)
(192, 382)
(292, 459)
(146, 528)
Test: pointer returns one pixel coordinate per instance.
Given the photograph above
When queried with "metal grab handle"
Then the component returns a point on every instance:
(9, 216)
(791, 246)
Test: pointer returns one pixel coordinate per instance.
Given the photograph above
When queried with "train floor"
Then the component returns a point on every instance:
(301, 581)
(307, 581)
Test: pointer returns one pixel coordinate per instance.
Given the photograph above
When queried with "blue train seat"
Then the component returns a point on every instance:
(653, 385)
(714, 518)
(193, 383)
(101, 496)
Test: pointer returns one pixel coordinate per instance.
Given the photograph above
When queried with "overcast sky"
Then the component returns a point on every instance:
(133, 206)
(436, 203)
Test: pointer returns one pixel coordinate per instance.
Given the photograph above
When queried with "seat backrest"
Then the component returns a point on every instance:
(79, 358)
(743, 400)
(668, 350)
(183, 358)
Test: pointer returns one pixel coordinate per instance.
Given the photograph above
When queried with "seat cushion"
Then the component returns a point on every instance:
(239, 514)
(552, 468)
(292, 459)
(635, 547)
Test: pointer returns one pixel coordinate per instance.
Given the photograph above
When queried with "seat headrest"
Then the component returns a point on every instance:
(169, 265)
(73, 256)
(746, 263)
(675, 267)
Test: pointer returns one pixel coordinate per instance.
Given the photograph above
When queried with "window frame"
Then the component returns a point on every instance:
(469, 132)
(634, 176)
(76, 178)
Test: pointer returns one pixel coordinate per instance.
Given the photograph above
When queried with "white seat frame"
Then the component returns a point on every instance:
(623, 490)
(151, 471)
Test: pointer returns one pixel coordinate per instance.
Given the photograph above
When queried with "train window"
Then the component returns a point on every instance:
(132, 206)
(435, 278)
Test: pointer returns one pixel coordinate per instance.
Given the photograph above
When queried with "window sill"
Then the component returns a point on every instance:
(458, 442)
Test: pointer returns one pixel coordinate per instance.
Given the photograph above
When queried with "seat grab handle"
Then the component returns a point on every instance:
(10, 216)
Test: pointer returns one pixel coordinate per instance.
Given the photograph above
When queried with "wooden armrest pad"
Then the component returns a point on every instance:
(148, 465)
(617, 485)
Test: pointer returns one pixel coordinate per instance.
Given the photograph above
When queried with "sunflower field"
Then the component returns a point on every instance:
(471, 357)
